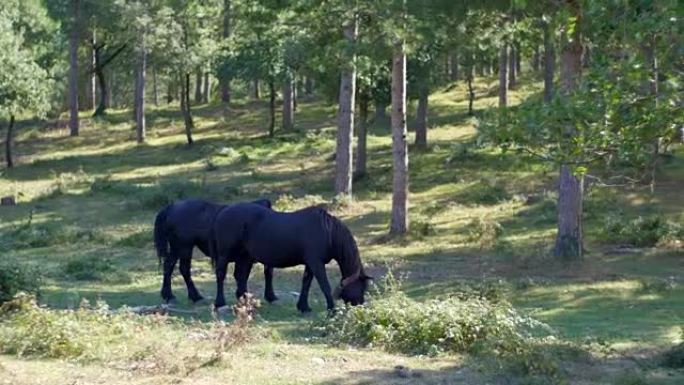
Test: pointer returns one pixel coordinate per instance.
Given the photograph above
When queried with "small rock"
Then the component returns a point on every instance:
(318, 361)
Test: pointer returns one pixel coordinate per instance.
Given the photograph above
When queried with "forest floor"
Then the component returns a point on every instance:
(94, 199)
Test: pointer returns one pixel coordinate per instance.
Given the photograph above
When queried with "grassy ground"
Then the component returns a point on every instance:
(95, 197)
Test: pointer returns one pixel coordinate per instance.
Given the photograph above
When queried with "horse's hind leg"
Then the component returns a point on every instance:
(243, 267)
(269, 293)
(169, 265)
(185, 256)
(318, 270)
(303, 302)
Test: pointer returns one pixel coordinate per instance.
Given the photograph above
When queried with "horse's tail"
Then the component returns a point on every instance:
(161, 241)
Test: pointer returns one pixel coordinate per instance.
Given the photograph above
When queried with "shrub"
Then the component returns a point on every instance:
(165, 193)
(483, 193)
(457, 324)
(421, 227)
(16, 277)
(640, 231)
(91, 268)
(484, 232)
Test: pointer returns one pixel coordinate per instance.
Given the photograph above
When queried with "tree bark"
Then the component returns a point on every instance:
(198, 87)
(503, 76)
(288, 104)
(345, 119)
(206, 87)
(155, 88)
(224, 83)
(400, 178)
(536, 58)
(185, 106)
(73, 69)
(512, 67)
(92, 82)
(422, 117)
(272, 106)
(569, 239)
(471, 94)
(549, 63)
(8, 142)
(518, 60)
(255, 90)
(140, 96)
(362, 148)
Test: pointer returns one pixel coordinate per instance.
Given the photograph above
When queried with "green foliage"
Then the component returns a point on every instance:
(95, 268)
(642, 231)
(484, 192)
(484, 232)
(18, 277)
(395, 322)
(30, 235)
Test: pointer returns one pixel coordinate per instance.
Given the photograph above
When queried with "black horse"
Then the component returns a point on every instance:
(247, 233)
(181, 226)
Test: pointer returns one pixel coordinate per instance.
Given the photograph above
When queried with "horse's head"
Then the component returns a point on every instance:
(353, 288)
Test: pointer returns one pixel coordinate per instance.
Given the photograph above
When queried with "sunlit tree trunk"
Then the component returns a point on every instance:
(288, 104)
(8, 142)
(569, 240)
(140, 96)
(503, 75)
(400, 178)
(185, 106)
(345, 119)
(512, 81)
(73, 68)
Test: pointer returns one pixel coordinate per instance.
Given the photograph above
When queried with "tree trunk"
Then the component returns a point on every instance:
(308, 86)
(185, 106)
(108, 92)
(422, 117)
(104, 92)
(471, 94)
(8, 142)
(140, 96)
(171, 91)
(288, 104)
(345, 119)
(198, 87)
(272, 106)
(155, 89)
(511, 68)
(399, 220)
(224, 83)
(295, 93)
(453, 70)
(549, 63)
(503, 76)
(536, 58)
(255, 89)
(518, 60)
(73, 69)
(569, 242)
(362, 148)
(92, 82)
(207, 86)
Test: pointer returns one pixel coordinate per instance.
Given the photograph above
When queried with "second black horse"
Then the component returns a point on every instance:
(247, 233)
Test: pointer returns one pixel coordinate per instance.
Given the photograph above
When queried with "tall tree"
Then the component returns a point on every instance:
(74, 38)
(345, 125)
(399, 222)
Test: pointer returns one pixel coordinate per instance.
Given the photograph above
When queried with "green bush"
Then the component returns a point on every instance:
(483, 193)
(165, 193)
(484, 232)
(395, 322)
(640, 231)
(16, 277)
(95, 268)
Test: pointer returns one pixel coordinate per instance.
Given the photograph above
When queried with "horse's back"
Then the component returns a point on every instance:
(191, 219)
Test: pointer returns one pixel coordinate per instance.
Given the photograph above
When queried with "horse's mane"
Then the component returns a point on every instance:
(341, 243)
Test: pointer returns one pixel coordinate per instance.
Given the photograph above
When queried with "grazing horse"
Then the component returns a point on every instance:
(181, 226)
(247, 233)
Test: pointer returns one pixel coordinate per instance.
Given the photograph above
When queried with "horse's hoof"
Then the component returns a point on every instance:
(271, 299)
(171, 301)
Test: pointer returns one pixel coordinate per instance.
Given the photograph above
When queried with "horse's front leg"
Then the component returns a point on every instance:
(221, 269)
(318, 270)
(185, 257)
(303, 302)
(269, 293)
(243, 267)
